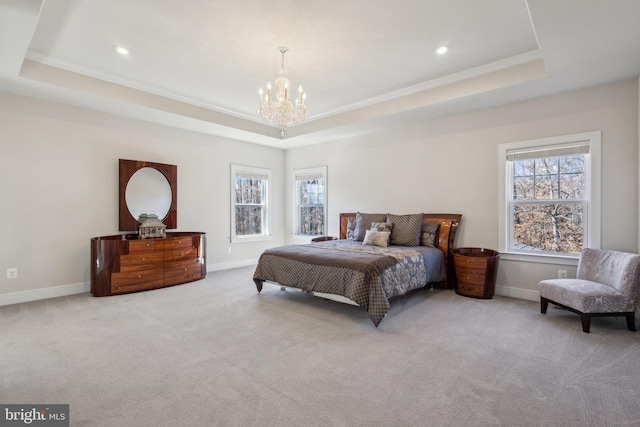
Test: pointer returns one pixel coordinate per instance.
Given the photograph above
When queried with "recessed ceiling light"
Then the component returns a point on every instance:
(122, 50)
(442, 50)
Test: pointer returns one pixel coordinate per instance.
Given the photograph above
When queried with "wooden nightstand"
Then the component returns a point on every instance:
(476, 270)
(323, 238)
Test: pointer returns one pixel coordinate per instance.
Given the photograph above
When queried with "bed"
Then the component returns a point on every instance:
(363, 269)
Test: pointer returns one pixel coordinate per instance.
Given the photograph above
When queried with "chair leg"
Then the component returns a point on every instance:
(631, 321)
(586, 322)
(544, 303)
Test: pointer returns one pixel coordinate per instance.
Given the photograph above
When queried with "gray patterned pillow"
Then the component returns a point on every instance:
(429, 231)
(376, 238)
(351, 228)
(363, 223)
(381, 226)
(406, 229)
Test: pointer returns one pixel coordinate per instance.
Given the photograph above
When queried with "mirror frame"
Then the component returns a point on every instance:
(127, 168)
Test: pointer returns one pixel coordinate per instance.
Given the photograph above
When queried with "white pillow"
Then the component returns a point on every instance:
(376, 238)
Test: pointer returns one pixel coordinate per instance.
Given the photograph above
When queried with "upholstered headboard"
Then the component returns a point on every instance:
(444, 237)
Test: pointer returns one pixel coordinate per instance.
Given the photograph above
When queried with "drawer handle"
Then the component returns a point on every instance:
(179, 242)
(139, 276)
(148, 244)
(144, 259)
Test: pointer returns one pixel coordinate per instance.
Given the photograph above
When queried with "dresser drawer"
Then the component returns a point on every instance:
(181, 255)
(470, 277)
(471, 273)
(145, 245)
(178, 243)
(136, 281)
(141, 261)
(180, 272)
(470, 289)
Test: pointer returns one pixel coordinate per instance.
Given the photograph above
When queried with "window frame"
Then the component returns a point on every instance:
(266, 220)
(592, 196)
(297, 229)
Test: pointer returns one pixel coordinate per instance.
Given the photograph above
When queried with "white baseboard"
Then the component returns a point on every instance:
(44, 293)
(229, 265)
(525, 294)
(79, 288)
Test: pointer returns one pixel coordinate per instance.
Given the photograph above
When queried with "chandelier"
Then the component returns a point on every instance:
(277, 108)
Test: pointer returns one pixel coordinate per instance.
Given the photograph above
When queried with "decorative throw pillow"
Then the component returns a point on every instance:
(381, 226)
(406, 229)
(376, 238)
(363, 223)
(429, 231)
(351, 228)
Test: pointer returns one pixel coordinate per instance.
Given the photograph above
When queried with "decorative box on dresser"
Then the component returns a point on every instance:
(124, 263)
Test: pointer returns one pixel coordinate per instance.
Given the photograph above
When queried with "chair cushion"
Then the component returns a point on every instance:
(585, 296)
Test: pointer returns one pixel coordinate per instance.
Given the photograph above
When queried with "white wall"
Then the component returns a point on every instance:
(59, 180)
(59, 188)
(454, 161)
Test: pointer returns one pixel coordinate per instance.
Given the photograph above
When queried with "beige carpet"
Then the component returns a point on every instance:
(216, 353)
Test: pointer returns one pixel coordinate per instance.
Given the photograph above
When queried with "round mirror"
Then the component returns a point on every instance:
(148, 190)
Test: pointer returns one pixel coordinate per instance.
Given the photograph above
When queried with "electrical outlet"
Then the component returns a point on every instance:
(228, 249)
(562, 274)
(12, 273)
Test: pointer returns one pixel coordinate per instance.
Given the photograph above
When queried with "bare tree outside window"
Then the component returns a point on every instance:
(550, 197)
(249, 197)
(548, 203)
(311, 201)
(312, 207)
(249, 206)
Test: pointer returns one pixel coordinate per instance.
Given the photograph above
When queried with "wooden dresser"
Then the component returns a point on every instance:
(124, 263)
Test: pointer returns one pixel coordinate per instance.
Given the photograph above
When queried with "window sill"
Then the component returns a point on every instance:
(301, 238)
(540, 258)
(250, 239)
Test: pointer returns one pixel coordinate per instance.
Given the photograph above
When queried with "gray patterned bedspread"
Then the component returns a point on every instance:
(397, 270)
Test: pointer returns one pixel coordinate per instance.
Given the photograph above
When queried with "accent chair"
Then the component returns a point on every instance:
(607, 283)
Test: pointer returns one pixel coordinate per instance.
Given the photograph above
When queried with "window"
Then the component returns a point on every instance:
(310, 201)
(249, 203)
(551, 200)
